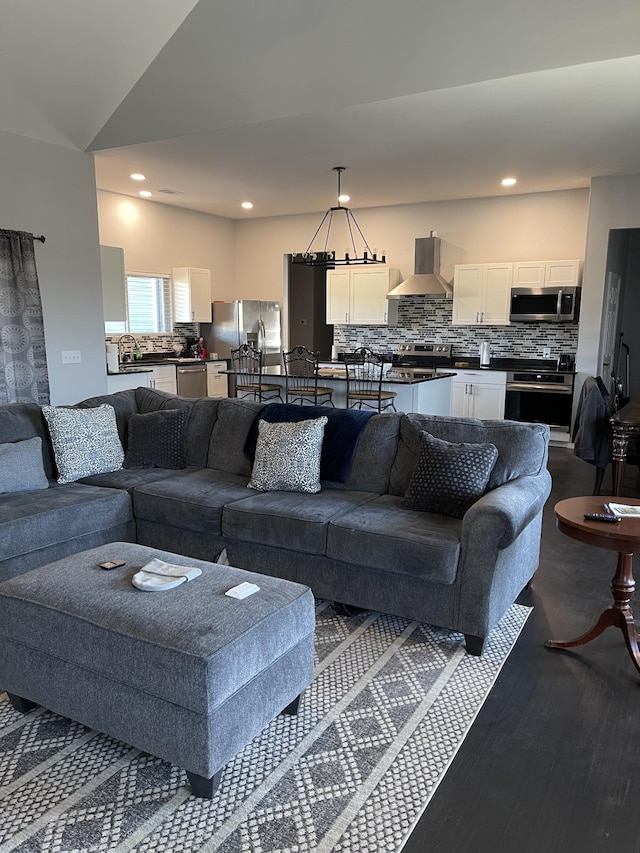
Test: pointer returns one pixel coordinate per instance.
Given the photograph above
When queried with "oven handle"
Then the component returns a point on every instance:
(530, 386)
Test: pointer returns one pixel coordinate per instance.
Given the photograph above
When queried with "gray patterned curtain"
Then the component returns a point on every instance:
(23, 360)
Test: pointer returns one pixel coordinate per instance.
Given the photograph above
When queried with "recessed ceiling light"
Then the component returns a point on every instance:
(508, 182)
(344, 198)
(247, 205)
(137, 176)
(145, 193)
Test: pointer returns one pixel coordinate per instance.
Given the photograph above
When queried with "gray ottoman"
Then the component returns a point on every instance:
(189, 674)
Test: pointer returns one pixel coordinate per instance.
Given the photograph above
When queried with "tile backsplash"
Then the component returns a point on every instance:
(426, 320)
(162, 342)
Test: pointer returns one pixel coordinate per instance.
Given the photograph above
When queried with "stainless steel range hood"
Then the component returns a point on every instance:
(426, 279)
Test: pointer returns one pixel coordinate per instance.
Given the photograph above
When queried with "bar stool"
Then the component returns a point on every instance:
(246, 363)
(365, 372)
(301, 372)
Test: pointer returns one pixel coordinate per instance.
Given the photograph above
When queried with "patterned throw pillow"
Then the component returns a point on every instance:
(21, 467)
(85, 441)
(288, 456)
(157, 439)
(449, 477)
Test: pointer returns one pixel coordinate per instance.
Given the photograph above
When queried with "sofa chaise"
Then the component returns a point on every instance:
(355, 541)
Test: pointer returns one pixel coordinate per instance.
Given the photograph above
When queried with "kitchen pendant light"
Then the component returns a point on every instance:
(327, 257)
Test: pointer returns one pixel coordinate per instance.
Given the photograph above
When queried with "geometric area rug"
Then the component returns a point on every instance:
(390, 705)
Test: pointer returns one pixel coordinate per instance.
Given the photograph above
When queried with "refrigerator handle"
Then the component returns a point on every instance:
(263, 332)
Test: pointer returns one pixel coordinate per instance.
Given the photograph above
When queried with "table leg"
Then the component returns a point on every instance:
(619, 615)
(619, 461)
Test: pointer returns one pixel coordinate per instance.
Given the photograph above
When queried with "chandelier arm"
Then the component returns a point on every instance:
(326, 239)
(366, 245)
(350, 217)
(317, 231)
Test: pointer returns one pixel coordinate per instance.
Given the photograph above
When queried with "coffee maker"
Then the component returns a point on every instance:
(190, 349)
(566, 362)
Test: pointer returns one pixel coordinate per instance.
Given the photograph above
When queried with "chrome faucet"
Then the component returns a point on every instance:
(126, 339)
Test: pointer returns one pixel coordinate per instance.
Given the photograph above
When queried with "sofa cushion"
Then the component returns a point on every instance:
(21, 466)
(522, 447)
(202, 417)
(124, 404)
(229, 437)
(85, 441)
(157, 439)
(449, 477)
(287, 456)
(19, 421)
(374, 455)
(129, 478)
(153, 400)
(190, 501)
(385, 535)
(297, 522)
(30, 521)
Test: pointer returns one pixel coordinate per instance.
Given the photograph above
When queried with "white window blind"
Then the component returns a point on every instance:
(149, 303)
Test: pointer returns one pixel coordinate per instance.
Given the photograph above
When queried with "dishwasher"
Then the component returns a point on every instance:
(191, 380)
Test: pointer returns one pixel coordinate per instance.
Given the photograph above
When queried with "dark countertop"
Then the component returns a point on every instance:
(276, 370)
(124, 372)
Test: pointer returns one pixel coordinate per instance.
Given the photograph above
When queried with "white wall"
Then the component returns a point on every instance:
(537, 226)
(46, 189)
(614, 203)
(156, 237)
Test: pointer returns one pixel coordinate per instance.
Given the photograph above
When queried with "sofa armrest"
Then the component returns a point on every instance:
(506, 511)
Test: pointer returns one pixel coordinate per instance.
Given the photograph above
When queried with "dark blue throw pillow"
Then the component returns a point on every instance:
(341, 434)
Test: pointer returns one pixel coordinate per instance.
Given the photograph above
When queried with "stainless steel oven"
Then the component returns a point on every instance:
(540, 397)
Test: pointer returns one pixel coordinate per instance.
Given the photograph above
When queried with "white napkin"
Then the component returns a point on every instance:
(157, 575)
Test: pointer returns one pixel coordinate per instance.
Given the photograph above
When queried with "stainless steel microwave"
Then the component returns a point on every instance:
(545, 304)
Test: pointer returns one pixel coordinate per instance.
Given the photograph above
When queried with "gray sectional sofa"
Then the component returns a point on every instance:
(353, 542)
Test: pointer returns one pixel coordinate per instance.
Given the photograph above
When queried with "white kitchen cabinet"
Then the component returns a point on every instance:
(163, 378)
(478, 393)
(358, 295)
(114, 300)
(481, 294)
(547, 273)
(191, 293)
(217, 382)
(128, 379)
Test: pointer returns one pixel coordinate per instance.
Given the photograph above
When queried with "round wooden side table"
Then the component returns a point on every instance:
(623, 538)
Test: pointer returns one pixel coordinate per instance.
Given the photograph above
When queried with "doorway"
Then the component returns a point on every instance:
(307, 310)
(623, 261)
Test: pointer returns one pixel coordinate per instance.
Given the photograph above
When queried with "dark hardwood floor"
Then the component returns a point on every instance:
(552, 762)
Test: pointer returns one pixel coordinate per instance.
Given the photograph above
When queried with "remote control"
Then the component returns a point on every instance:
(596, 516)
(112, 564)
(242, 590)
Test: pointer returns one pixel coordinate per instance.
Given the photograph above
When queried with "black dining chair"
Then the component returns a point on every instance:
(246, 363)
(365, 373)
(301, 372)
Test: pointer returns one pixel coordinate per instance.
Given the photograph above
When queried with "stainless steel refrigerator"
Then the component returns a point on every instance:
(245, 321)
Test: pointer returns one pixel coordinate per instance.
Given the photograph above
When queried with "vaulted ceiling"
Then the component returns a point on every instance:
(222, 101)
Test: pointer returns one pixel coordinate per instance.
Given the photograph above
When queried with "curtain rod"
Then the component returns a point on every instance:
(40, 237)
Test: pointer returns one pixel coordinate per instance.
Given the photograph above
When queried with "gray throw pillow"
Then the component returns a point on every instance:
(21, 467)
(288, 456)
(85, 441)
(157, 439)
(449, 477)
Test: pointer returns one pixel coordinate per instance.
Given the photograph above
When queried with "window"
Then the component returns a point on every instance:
(149, 303)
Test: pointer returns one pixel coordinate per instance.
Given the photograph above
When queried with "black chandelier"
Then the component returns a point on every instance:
(327, 257)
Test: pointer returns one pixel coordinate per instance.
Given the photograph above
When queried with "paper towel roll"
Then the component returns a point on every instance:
(112, 358)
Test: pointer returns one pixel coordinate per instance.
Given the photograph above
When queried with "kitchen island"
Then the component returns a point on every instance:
(426, 395)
